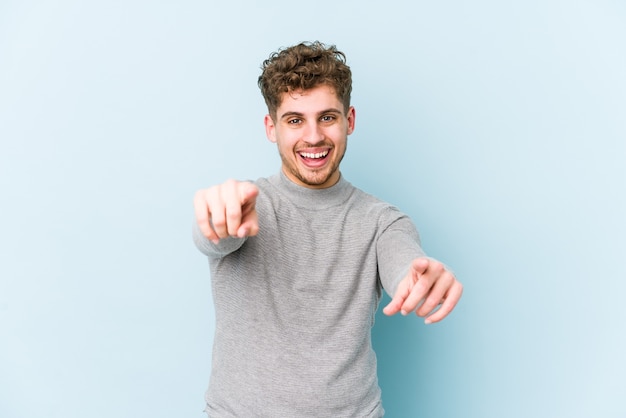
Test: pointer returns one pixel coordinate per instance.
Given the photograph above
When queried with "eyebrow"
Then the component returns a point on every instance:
(299, 114)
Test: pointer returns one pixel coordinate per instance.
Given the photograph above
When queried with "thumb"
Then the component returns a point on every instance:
(248, 193)
(420, 265)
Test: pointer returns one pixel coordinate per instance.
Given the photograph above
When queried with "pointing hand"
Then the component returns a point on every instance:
(226, 210)
(427, 285)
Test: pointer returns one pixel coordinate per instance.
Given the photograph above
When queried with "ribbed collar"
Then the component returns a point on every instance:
(313, 199)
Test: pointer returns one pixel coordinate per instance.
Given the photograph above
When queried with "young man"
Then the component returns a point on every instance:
(299, 260)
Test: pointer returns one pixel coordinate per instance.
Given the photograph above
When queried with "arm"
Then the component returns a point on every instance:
(416, 282)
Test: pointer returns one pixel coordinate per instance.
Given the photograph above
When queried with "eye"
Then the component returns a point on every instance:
(294, 121)
(328, 118)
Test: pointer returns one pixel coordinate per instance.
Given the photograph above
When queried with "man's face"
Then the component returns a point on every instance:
(311, 131)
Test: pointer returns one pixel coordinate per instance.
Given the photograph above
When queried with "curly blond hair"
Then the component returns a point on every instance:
(303, 67)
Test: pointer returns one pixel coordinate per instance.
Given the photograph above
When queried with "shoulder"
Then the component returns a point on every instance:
(372, 207)
(268, 188)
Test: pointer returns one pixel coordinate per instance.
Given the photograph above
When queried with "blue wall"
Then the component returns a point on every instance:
(498, 126)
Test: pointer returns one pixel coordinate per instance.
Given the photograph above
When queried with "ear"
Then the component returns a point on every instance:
(270, 128)
(351, 116)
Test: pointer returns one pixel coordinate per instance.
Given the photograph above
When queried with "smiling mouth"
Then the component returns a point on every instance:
(314, 155)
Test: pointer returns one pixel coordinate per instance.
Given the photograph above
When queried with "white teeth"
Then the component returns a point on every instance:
(316, 155)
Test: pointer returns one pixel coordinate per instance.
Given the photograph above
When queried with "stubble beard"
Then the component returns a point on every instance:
(316, 177)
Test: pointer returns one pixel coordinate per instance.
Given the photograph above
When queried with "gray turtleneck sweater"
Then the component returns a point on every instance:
(294, 305)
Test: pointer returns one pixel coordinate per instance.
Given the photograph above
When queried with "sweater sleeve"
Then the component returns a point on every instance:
(397, 246)
(211, 250)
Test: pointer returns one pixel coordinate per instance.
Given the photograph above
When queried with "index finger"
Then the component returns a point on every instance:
(239, 199)
(231, 195)
(424, 279)
(247, 193)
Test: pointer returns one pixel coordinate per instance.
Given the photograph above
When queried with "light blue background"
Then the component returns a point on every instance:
(498, 126)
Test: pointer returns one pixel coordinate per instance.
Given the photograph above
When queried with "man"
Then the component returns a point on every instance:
(299, 260)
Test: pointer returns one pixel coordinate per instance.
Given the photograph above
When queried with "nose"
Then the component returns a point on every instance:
(313, 133)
